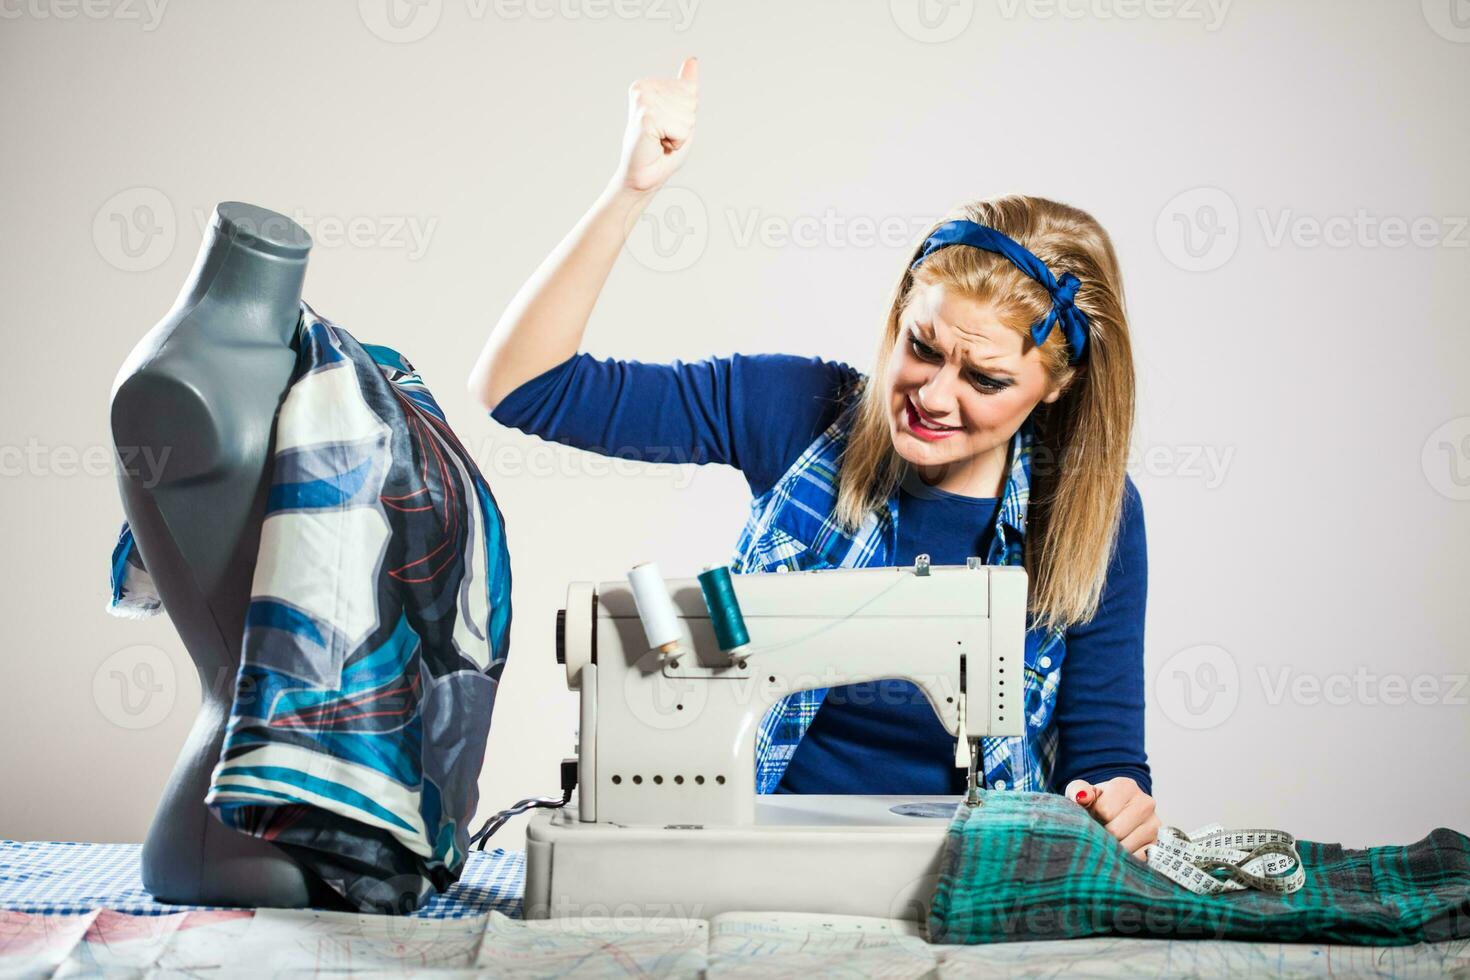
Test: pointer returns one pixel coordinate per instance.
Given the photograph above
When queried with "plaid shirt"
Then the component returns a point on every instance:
(793, 526)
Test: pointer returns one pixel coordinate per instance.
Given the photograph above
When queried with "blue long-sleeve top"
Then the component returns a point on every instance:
(757, 413)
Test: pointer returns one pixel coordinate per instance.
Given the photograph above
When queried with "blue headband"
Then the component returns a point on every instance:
(1074, 321)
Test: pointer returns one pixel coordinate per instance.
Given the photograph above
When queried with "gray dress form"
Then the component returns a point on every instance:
(203, 386)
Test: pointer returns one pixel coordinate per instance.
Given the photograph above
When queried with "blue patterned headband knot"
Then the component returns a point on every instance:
(1063, 292)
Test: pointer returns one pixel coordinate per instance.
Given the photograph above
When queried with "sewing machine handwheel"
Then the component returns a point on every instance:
(576, 638)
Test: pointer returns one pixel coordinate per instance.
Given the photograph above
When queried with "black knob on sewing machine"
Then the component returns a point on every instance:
(561, 636)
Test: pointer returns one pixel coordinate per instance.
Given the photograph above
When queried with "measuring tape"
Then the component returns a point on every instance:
(1212, 860)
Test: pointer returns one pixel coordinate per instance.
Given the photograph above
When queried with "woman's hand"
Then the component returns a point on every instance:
(545, 321)
(660, 128)
(1123, 809)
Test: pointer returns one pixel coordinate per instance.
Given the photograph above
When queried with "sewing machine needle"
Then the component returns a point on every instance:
(972, 797)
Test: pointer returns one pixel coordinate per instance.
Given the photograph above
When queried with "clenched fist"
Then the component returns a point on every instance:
(660, 128)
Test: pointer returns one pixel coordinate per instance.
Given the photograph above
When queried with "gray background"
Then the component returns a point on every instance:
(1303, 443)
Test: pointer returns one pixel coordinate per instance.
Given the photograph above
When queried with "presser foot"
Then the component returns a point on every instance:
(972, 781)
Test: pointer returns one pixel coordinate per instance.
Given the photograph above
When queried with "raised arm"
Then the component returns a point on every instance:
(544, 323)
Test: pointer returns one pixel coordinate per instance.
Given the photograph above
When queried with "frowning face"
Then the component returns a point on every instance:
(959, 387)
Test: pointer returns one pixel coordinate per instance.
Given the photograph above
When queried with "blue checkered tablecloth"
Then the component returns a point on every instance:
(72, 879)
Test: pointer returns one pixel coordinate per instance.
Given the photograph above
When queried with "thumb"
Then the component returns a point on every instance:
(1081, 792)
(689, 70)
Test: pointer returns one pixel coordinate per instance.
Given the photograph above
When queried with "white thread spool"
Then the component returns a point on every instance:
(655, 607)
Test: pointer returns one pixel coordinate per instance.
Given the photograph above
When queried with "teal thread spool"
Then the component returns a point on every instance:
(724, 609)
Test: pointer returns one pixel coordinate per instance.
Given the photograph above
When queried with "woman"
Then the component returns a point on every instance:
(996, 424)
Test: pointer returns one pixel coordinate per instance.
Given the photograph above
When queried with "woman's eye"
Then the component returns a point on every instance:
(922, 350)
(980, 381)
(985, 382)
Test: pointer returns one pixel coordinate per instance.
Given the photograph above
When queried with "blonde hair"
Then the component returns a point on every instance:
(1080, 454)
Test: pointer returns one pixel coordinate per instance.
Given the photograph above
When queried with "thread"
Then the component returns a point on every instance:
(724, 608)
(655, 606)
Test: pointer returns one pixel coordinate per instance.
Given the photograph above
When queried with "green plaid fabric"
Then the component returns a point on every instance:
(1027, 866)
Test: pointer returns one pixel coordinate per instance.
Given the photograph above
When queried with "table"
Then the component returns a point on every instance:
(80, 909)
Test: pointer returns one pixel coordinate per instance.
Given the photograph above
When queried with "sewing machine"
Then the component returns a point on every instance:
(666, 819)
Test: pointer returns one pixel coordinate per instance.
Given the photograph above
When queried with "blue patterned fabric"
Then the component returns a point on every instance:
(794, 527)
(62, 878)
(377, 631)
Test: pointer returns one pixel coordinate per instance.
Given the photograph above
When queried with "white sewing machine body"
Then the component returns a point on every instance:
(667, 820)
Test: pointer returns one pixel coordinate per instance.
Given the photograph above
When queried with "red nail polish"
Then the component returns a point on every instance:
(1082, 796)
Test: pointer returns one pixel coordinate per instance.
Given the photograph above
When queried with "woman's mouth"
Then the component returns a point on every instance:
(922, 427)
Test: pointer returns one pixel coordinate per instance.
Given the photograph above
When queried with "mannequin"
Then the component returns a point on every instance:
(203, 387)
